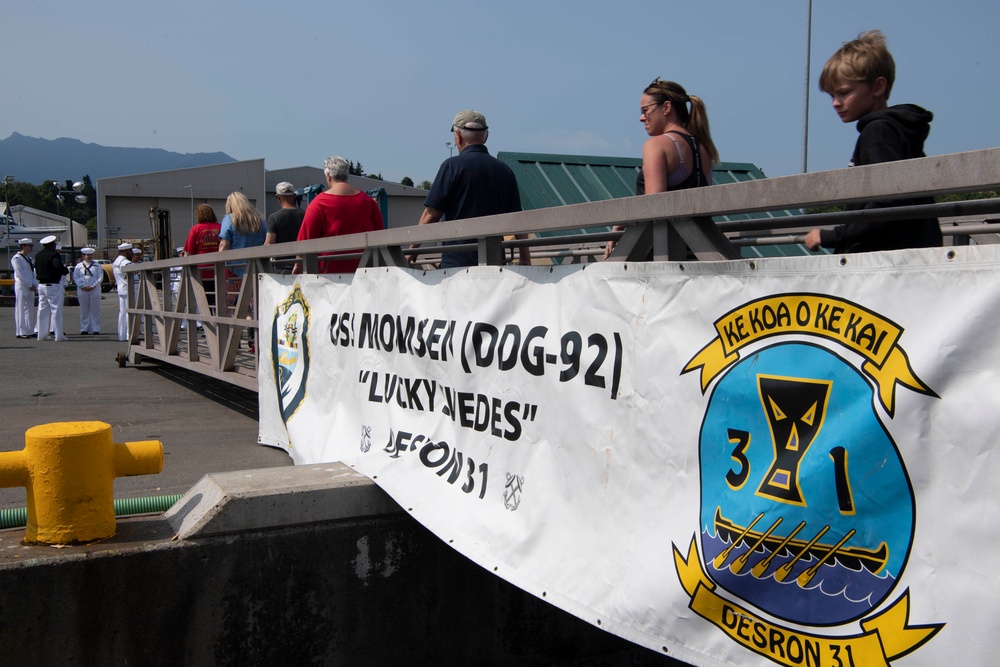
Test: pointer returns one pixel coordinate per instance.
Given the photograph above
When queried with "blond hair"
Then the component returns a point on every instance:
(694, 119)
(244, 217)
(860, 60)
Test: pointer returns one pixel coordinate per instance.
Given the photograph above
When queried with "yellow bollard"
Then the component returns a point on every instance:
(68, 470)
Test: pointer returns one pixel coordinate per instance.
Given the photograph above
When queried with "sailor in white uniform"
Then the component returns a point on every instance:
(25, 287)
(121, 283)
(87, 276)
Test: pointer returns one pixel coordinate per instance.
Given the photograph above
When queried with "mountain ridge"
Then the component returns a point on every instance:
(36, 160)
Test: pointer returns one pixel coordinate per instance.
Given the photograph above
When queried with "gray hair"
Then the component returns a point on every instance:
(336, 168)
(473, 137)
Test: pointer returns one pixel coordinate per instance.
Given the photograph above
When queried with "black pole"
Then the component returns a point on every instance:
(72, 243)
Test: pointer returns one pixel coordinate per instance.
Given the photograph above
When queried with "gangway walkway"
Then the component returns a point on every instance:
(662, 227)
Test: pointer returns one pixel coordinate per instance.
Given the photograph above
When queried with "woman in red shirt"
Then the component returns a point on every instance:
(342, 209)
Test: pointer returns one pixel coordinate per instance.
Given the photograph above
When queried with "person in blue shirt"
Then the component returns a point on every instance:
(242, 227)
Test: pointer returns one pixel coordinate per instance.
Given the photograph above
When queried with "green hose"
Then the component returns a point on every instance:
(17, 517)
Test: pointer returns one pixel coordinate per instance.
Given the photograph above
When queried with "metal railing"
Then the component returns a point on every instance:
(170, 297)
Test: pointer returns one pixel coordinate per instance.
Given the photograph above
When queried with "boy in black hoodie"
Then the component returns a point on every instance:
(859, 78)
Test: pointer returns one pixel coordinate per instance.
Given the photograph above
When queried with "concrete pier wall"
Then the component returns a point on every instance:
(246, 584)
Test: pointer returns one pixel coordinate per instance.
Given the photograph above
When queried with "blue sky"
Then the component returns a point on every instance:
(379, 82)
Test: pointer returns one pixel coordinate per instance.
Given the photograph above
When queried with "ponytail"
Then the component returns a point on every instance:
(694, 119)
(698, 127)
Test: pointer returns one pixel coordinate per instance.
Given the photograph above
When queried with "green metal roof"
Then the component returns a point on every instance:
(546, 180)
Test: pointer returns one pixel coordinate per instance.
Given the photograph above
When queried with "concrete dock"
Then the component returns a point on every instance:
(205, 425)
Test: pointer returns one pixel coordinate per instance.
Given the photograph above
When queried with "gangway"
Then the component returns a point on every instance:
(170, 298)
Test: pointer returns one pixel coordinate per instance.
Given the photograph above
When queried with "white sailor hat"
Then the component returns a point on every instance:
(25, 241)
(124, 246)
(87, 251)
(51, 238)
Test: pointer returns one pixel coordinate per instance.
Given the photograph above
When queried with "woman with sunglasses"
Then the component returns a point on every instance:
(679, 153)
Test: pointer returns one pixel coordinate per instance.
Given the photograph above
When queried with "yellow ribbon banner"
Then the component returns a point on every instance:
(848, 324)
(886, 636)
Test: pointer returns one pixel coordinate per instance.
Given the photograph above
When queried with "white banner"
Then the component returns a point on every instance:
(784, 461)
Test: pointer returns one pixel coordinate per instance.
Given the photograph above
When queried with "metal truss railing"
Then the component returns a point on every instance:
(170, 297)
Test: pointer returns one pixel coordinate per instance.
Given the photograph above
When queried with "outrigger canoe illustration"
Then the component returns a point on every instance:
(812, 550)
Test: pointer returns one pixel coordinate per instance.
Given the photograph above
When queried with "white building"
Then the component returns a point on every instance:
(23, 221)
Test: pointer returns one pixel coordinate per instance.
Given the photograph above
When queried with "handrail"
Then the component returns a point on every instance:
(654, 224)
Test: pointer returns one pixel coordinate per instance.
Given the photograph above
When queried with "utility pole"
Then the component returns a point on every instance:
(805, 103)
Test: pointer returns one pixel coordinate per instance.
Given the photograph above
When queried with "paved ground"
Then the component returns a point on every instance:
(205, 425)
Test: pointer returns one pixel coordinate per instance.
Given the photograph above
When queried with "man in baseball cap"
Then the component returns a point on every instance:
(470, 185)
(283, 225)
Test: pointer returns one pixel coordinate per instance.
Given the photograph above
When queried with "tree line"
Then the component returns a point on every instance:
(357, 169)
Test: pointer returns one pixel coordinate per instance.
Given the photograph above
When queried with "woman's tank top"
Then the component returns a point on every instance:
(693, 179)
